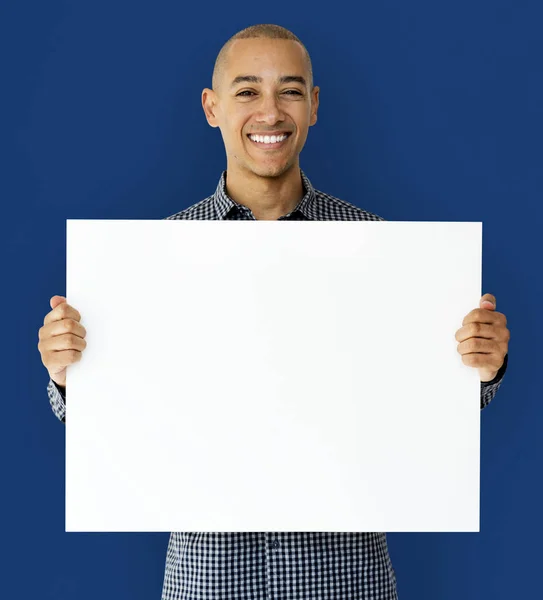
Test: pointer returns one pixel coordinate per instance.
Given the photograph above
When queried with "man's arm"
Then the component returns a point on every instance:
(489, 388)
(57, 400)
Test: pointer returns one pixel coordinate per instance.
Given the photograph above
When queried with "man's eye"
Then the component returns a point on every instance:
(295, 92)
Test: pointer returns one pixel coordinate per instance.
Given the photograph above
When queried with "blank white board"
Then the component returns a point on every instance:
(272, 376)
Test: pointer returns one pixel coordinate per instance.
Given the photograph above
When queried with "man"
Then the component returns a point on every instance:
(263, 100)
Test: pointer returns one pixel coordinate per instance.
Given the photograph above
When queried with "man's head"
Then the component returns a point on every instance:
(262, 84)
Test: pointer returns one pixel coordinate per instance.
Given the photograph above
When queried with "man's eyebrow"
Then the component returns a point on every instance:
(256, 79)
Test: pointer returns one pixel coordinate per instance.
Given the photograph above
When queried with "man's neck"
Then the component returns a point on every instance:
(268, 197)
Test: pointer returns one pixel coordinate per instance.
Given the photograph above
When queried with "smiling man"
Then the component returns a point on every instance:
(263, 101)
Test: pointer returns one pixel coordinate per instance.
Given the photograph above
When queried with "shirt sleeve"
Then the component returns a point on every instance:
(57, 400)
(489, 388)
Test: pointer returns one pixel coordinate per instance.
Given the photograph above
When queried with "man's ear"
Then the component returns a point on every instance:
(314, 105)
(209, 104)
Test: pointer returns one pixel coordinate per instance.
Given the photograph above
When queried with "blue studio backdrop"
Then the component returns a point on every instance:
(429, 111)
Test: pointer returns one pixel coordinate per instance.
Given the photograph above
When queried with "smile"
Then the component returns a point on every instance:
(269, 142)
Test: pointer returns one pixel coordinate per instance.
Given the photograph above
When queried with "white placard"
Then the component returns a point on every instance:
(272, 376)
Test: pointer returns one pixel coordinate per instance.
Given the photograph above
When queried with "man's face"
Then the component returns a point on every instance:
(267, 103)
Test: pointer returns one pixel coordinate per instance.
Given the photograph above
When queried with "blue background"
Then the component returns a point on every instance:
(430, 111)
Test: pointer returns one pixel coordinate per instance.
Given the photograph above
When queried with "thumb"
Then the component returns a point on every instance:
(56, 300)
(488, 301)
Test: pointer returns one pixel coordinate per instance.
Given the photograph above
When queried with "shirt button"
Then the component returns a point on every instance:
(275, 544)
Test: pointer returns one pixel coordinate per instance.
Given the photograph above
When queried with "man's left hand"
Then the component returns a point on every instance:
(484, 338)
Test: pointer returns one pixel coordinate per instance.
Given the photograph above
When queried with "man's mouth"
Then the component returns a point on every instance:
(269, 142)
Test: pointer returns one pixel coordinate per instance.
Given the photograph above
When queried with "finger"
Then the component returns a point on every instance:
(477, 346)
(488, 301)
(482, 315)
(56, 300)
(58, 360)
(476, 329)
(61, 327)
(59, 343)
(482, 361)
(62, 311)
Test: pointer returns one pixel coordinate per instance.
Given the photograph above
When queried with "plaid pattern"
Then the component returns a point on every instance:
(285, 565)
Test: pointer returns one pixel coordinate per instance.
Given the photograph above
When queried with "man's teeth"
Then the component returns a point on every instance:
(267, 139)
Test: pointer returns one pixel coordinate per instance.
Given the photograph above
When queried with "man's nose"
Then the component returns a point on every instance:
(269, 110)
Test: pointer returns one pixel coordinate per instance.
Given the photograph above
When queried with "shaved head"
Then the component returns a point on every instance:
(257, 31)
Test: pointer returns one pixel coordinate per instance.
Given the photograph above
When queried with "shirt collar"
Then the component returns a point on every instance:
(224, 204)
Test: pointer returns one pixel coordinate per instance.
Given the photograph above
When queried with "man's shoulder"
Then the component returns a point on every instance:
(204, 209)
(330, 208)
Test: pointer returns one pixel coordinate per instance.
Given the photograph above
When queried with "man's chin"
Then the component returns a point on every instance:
(271, 171)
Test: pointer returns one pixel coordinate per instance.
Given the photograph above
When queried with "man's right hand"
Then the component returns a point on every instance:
(62, 339)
